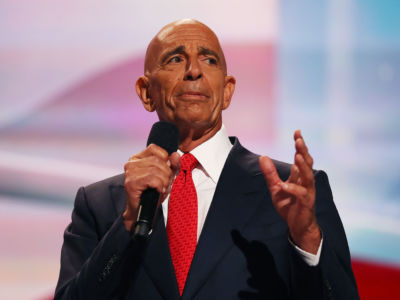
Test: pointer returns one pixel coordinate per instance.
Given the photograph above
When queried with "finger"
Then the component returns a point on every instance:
(306, 173)
(297, 134)
(302, 148)
(175, 159)
(294, 174)
(159, 183)
(152, 150)
(139, 184)
(270, 173)
(298, 191)
(283, 199)
(146, 168)
(152, 162)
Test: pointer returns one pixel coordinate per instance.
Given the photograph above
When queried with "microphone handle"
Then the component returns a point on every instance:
(146, 212)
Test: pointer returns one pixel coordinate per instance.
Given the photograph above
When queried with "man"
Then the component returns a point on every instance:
(247, 227)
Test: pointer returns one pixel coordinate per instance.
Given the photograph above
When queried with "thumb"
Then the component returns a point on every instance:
(270, 173)
(174, 159)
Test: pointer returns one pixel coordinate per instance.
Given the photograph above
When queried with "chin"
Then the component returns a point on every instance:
(189, 118)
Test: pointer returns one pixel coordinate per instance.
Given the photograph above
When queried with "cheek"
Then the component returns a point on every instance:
(168, 89)
(163, 90)
(217, 83)
(218, 96)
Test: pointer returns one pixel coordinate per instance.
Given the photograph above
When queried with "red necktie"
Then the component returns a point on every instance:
(182, 219)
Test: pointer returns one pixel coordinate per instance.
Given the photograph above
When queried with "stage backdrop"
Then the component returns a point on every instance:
(69, 114)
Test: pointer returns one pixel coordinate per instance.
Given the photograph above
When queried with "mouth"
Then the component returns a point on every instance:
(193, 95)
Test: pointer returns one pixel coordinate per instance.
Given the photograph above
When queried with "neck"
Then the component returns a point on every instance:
(190, 138)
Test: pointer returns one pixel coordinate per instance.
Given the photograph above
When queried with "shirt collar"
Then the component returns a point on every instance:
(213, 153)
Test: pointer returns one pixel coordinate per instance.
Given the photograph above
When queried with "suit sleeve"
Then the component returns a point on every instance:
(333, 277)
(92, 266)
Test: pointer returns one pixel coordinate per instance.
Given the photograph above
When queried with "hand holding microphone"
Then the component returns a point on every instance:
(148, 175)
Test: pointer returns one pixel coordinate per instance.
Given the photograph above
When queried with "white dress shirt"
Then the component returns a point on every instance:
(211, 156)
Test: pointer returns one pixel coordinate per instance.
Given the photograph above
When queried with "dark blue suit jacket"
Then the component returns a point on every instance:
(243, 251)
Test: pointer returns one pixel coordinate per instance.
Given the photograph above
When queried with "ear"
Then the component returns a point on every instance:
(142, 90)
(229, 88)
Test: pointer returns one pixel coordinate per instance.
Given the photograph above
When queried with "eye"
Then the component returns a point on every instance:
(175, 59)
(211, 61)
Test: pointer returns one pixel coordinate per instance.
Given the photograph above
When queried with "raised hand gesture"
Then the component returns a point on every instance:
(294, 199)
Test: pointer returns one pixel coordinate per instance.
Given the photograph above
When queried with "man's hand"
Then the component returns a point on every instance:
(151, 168)
(294, 199)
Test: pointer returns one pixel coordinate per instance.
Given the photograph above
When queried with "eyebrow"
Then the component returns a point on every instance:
(177, 50)
(181, 50)
(206, 51)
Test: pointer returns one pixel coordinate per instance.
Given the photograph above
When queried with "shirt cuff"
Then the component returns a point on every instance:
(310, 259)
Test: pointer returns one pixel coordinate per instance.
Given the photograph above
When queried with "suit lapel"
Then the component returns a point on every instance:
(157, 259)
(236, 199)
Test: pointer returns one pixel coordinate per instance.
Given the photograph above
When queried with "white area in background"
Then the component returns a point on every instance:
(55, 167)
(50, 45)
(30, 252)
(339, 72)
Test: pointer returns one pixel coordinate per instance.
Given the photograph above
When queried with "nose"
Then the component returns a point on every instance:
(193, 70)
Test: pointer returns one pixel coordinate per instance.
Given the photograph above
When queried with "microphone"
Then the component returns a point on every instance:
(165, 135)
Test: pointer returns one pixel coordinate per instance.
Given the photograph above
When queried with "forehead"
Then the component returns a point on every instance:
(188, 35)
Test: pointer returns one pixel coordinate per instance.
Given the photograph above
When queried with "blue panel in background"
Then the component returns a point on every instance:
(339, 81)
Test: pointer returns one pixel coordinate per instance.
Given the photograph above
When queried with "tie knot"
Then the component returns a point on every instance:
(188, 162)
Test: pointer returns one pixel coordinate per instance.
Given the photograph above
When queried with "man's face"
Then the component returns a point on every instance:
(186, 77)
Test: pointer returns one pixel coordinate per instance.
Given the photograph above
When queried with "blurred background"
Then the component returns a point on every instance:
(69, 114)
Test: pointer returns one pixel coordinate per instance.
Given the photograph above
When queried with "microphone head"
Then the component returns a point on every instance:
(165, 135)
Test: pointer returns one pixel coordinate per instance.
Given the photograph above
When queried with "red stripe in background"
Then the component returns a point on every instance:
(376, 281)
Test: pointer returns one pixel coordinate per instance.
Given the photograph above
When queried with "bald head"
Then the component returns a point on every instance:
(175, 34)
(185, 81)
